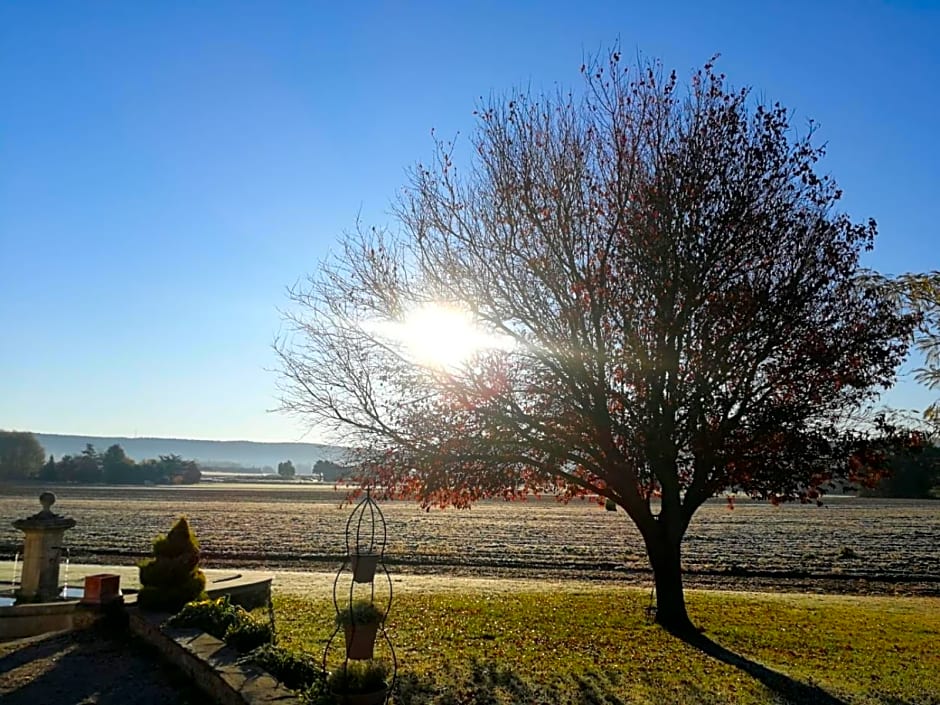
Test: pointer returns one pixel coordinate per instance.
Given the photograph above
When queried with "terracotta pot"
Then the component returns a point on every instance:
(360, 640)
(101, 589)
(363, 567)
(374, 698)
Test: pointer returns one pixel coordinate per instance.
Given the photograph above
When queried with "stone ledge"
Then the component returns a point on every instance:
(246, 592)
(38, 618)
(211, 664)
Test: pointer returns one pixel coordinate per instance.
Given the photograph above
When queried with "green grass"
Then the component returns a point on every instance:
(597, 646)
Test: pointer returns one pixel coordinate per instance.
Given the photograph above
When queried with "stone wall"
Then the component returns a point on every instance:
(209, 663)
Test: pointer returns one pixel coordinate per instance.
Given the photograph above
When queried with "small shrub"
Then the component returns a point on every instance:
(214, 617)
(172, 577)
(220, 618)
(847, 553)
(294, 670)
(356, 677)
(610, 505)
(248, 632)
(360, 612)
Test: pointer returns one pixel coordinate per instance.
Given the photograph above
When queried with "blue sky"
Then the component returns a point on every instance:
(167, 169)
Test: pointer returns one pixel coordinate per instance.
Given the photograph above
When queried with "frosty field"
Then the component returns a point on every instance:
(858, 545)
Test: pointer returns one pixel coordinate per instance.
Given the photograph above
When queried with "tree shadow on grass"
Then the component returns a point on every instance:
(595, 689)
(793, 691)
(491, 683)
(486, 683)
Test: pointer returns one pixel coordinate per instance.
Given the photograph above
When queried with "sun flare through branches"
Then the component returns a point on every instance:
(441, 336)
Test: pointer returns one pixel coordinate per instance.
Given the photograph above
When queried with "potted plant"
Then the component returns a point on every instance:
(361, 622)
(364, 562)
(359, 683)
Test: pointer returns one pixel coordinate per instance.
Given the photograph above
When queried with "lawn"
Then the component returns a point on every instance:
(566, 645)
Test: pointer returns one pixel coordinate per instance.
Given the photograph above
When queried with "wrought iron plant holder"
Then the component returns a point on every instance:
(363, 565)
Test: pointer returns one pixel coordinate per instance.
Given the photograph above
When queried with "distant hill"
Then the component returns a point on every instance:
(224, 453)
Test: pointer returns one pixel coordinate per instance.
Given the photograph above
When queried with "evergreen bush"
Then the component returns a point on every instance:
(211, 616)
(248, 632)
(172, 577)
(297, 671)
(234, 625)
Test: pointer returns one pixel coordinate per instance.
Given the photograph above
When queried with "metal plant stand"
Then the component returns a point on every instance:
(363, 566)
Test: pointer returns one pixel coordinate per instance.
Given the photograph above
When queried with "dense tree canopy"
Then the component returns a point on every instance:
(115, 467)
(330, 471)
(21, 455)
(666, 297)
(286, 469)
(913, 475)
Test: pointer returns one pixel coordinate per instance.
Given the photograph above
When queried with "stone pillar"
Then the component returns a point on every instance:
(42, 551)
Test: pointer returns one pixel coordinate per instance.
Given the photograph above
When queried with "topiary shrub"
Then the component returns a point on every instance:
(172, 577)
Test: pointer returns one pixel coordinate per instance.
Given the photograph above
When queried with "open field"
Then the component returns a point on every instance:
(301, 527)
(568, 645)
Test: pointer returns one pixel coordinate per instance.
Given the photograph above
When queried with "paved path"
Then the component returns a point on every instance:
(88, 667)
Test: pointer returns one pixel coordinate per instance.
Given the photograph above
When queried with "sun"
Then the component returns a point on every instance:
(443, 336)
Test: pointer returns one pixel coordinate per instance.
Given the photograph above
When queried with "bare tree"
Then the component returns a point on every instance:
(666, 299)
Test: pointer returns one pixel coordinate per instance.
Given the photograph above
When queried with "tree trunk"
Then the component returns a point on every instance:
(663, 547)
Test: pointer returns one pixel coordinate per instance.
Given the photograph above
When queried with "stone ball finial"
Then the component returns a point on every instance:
(47, 499)
(45, 520)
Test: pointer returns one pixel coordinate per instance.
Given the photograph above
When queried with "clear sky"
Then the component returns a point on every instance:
(168, 168)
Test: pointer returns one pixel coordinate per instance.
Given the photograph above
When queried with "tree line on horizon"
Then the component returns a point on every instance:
(22, 457)
(909, 476)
